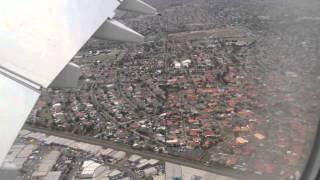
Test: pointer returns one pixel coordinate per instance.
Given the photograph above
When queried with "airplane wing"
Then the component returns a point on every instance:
(17, 100)
(38, 39)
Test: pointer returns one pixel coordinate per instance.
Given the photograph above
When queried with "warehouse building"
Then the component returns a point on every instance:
(91, 169)
(46, 165)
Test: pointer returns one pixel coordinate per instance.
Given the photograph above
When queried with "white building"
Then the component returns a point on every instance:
(115, 174)
(186, 63)
(183, 172)
(150, 171)
(57, 107)
(46, 165)
(134, 158)
(119, 155)
(91, 169)
(177, 65)
(53, 175)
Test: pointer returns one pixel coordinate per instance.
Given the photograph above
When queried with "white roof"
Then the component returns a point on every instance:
(150, 171)
(153, 161)
(27, 151)
(106, 152)
(115, 173)
(53, 175)
(143, 160)
(89, 167)
(134, 158)
(161, 177)
(39, 174)
(177, 64)
(187, 61)
(143, 163)
(118, 155)
(48, 162)
(56, 105)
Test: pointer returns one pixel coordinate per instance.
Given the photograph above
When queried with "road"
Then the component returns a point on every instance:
(162, 157)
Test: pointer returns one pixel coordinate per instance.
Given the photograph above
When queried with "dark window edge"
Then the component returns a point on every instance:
(312, 168)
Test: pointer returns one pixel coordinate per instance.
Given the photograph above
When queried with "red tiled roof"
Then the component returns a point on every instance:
(209, 133)
(193, 120)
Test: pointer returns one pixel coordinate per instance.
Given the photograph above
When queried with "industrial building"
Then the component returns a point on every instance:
(150, 171)
(91, 169)
(43, 163)
(53, 175)
(145, 163)
(178, 172)
(19, 154)
(118, 155)
(134, 158)
(46, 165)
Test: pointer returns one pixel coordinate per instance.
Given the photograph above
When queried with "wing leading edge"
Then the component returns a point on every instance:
(38, 39)
(47, 34)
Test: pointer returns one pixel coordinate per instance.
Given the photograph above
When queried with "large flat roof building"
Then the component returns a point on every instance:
(91, 169)
(175, 171)
(46, 165)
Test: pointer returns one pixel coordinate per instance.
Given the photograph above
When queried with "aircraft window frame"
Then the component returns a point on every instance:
(312, 168)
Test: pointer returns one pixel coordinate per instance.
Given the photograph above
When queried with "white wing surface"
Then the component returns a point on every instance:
(38, 38)
(16, 102)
